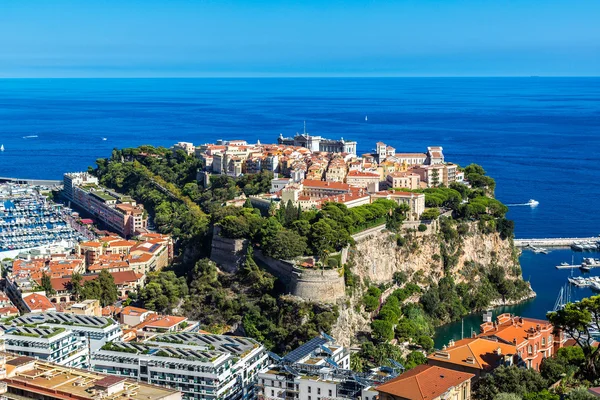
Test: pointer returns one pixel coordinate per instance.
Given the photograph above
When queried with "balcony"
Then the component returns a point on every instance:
(3, 386)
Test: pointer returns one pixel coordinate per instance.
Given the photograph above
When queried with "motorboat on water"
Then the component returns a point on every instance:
(533, 203)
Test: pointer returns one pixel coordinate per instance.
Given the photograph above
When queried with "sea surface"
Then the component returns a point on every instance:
(538, 137)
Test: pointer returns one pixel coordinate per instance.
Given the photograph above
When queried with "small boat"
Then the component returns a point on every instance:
(533, 203)
(103, 138)
(564, 264)
(30, 137)
(585, 268)
(366, 119)
(1, 147)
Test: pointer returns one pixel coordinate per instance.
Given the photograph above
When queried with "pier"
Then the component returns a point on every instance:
(552, 242)
(35, 182)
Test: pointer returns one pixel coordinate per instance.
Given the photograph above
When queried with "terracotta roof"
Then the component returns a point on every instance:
(38, 302)
(90, 244)
(4, 311)
(424, 382)
(410, 155)
(355, 174)
(130, 310)
(393, 193)
(160, 321)
(325, 185)
(475, 353)
(514, 329)
(110, 310)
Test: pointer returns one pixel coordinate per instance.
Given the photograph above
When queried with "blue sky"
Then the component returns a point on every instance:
(178, 38)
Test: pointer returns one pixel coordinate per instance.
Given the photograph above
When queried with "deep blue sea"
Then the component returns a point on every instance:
(538, 137)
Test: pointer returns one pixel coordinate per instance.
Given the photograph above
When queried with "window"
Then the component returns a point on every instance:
(279, 383)
(330, 393)
(272, 393)
(464, 392)
(318, 390)
(543, 341)
(309, 398)
(309, 390)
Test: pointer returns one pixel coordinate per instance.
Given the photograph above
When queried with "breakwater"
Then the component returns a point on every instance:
(552, 242)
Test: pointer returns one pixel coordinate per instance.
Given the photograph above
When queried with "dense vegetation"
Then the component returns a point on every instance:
(290, 232)
(249, 302)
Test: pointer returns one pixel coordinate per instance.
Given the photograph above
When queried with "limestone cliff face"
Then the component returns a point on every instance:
(376, 257)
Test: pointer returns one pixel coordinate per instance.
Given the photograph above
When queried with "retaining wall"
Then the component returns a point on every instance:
(228, 254)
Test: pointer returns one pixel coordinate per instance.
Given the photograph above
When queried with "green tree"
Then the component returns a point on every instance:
(425, 342)
(415, 358)
(285, 245)
(509, 380)
(542, 395)
(46, 284)
(383, 331)
(108, 289)
(507, 396)
(430, 214)
(576, 320)
(580, 393)
(76, 285)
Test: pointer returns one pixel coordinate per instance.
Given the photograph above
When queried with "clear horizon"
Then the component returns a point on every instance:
(265, 38)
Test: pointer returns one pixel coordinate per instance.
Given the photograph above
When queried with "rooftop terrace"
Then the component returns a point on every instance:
(64, 319)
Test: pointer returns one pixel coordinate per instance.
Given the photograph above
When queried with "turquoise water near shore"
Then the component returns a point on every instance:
(546, 281)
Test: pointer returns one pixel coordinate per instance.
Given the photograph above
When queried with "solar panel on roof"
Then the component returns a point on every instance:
(326, 350)
(304, 350)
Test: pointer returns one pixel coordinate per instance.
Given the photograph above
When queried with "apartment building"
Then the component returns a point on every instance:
(201, 366)
(477, 356)
(51, 344)
(534, 339)
(365, 180)
(318, 370)
(119, 212)
(98, 330)
(28, 378)
(428, 382)
(187, 147)
(406, 180)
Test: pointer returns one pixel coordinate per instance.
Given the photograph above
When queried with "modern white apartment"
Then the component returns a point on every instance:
(202, 366)
(56, 345)
(98, 330)
(318, 370)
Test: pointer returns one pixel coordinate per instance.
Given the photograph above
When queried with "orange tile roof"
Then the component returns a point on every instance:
(424, 382)
(90, 244)
(10, 310)
(37, 301)
(515, 329)
(160, 321)
(325, 185)
(475, 353)
(110, 310)
(362, 174)
(130, 310)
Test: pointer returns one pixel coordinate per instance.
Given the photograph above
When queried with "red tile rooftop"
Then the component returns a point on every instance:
(424, 382)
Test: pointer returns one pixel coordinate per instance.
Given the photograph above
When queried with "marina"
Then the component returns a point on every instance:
(29, 220)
